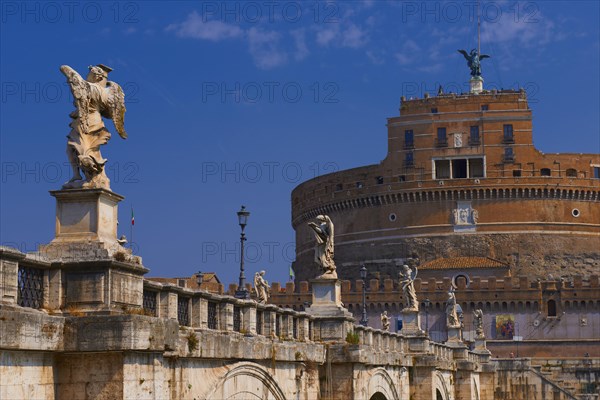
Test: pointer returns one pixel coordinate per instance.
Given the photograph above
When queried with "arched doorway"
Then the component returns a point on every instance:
(438, 395)
(378, 396)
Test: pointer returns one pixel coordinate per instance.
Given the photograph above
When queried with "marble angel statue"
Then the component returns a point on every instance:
(94, 97)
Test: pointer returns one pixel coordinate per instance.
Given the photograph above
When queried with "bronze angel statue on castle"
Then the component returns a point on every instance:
(474, 61)
(93, 97)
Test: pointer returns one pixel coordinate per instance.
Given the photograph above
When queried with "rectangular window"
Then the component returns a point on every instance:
(516, 173)
(508, 134)
(476, 168)
(379, 180)
(459, 168)
(442, 169)
(485, 107)
(212, 315)
(409, 139)
(434, 110)
(474, 135)
(409, 159)
(508, 154)
(442, 140)
(596, 172)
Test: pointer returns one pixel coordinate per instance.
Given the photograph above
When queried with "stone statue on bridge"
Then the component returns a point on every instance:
(324, 247)
(261, 287)
(407, 282)
(385, 321)
(452, 320)
(478, 322)
(94, 97)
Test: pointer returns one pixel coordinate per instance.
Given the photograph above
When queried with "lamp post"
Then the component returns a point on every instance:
(242, 292)
(427, 303)
(363, 274)
(199, 279)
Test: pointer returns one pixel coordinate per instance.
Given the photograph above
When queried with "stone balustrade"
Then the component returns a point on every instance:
(204, 310)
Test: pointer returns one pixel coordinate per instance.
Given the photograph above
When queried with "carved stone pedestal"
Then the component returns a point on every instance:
(476, 84)
(480, 346)
(91, 271)
(411, 323)
(332, 320)
(86, 226)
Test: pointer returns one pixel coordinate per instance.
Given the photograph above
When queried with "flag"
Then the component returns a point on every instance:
(292, 275)
(132, 217)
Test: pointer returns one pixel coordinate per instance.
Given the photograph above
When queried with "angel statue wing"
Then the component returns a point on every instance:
(416, 272)
(116, 107)
(482, 56)
(465, 54)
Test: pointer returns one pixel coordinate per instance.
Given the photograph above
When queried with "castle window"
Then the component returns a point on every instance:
(508, 134)
(476, 168)
(485, 107)
(459, 168)
(509, 156)
(516, 172)
(402, 178)
(409, 139)
(359, 185)
(379, 180)
(442, 140)
(545, 172)
(442, 169)
(596, 172)
(339, 187)
(474, 136)
(409, 159)
(551, 308)
(571, 172)
(434, 110)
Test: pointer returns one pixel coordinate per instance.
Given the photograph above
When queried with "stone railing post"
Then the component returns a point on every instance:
(249, 317)
(168, 304)
(199, 313)
(9, 279)
(226, 317)
(303, 328)
(269, 317)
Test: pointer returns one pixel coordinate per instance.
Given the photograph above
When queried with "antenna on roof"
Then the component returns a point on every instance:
(478, 29)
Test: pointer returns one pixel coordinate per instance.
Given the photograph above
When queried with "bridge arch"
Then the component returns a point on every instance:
(440, 387)
(381, 386)
(257, 384)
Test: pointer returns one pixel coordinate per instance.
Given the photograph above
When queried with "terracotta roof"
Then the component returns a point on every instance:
(463, 262)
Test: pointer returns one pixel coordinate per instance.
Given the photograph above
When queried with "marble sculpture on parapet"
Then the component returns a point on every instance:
(261, 287)
(385, 321)
(324, 247)
(478, 322)
(407, 282)
(94, 97)
(452, 320)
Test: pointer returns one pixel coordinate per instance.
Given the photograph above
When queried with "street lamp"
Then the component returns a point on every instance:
(427, 303)
(242, 292)
(363, 274)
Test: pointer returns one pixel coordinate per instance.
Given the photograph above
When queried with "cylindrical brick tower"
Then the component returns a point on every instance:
(461, 178)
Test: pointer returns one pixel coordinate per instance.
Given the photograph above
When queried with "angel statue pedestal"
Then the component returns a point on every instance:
(332, 321)
(411, 323)
(86, 225)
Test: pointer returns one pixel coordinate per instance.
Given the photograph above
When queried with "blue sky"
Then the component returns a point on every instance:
(232, 103)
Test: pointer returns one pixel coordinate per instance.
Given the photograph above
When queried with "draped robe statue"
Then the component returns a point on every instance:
(94, 97)
(407, 282)
(261, 287)
(452, 320)
(324, 247)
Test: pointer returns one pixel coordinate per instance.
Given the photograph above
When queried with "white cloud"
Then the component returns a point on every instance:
(299, 36)
(354, 37)
(196, 27)
(264, 48)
